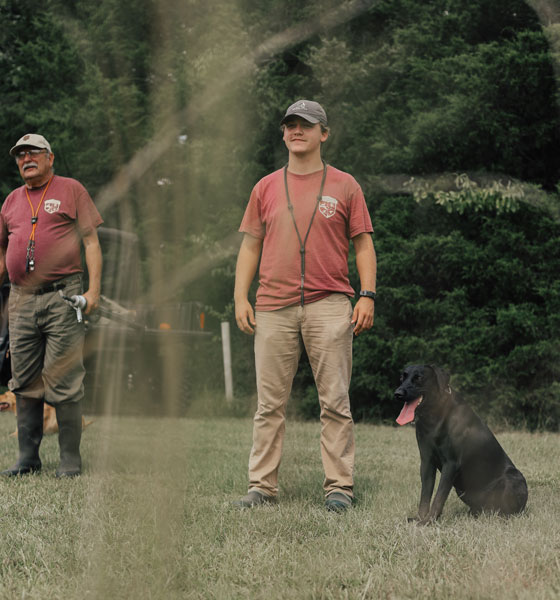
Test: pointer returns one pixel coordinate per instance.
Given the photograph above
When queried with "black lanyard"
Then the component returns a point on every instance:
(291, 209)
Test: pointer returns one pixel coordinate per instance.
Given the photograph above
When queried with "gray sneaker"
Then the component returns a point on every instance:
(338, 502)
(254, 498)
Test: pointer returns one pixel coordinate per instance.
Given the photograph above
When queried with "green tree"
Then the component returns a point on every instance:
(175, 111)
(39, 72)
(441, 86)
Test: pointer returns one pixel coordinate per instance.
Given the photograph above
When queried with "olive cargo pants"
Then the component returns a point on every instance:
(46, 344)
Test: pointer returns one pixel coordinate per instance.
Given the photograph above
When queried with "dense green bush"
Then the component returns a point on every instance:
(477, 294)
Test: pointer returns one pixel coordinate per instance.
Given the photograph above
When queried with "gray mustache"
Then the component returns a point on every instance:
(28, 165)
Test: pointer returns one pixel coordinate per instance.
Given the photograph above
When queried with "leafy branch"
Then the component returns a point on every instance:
(469, 195)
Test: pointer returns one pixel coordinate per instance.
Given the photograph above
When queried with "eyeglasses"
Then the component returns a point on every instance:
(32, 153)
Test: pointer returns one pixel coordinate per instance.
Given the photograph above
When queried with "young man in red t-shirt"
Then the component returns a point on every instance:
(43, 225)
(298, 224)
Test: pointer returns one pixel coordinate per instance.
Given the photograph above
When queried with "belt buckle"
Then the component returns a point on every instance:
(52, 287)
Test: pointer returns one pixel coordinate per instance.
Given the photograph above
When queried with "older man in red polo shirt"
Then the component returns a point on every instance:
(43, 225)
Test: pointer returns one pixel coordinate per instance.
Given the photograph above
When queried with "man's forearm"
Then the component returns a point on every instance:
(94, 263)
(366, 261)
(246, 268)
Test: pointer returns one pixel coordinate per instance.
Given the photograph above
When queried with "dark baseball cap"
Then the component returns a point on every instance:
(306, 109)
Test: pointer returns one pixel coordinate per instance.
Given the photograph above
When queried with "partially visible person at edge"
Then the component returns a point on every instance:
(42, 226)
(298, 223)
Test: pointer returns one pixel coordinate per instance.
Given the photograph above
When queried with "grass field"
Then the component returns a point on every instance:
(152, 518)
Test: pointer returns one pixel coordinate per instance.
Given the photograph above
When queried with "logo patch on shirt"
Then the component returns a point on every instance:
(327, 206)
(52, 205)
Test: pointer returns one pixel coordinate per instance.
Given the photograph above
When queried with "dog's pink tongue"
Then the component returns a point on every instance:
(407, 412)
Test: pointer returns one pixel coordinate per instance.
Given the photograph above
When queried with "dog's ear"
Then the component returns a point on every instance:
(442, 378)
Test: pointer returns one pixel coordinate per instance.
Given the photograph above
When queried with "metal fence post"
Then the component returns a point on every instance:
(226, 351)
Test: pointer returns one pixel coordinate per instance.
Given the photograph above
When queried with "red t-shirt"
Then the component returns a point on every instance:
(65, 215)
(341, 215)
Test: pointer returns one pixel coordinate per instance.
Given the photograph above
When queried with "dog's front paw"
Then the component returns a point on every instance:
(422, 518)
(413, 519)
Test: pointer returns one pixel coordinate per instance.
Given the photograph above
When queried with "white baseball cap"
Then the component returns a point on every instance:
(31, 139)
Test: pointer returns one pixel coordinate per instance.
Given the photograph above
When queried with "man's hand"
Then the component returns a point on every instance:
(245, 316)
(92, 299)
(362, 317)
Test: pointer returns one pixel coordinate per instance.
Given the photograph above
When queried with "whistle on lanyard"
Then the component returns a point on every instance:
(77, 302)
(30, 257)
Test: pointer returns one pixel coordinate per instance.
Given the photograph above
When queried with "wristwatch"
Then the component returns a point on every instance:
(367, 294)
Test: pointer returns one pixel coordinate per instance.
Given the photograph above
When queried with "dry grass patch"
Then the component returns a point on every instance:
(152, 518)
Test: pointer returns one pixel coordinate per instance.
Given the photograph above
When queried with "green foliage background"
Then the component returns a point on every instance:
(411, 89)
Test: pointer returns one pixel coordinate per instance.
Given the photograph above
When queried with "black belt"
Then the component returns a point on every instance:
(45, 289)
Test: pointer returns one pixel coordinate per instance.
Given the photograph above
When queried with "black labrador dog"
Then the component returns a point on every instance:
(453, 439)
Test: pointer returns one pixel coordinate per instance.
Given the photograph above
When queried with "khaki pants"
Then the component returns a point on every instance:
(324, 329)
(46, 344)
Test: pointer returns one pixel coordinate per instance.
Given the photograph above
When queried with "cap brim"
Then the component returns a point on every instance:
(304, 116)
(18, 146)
